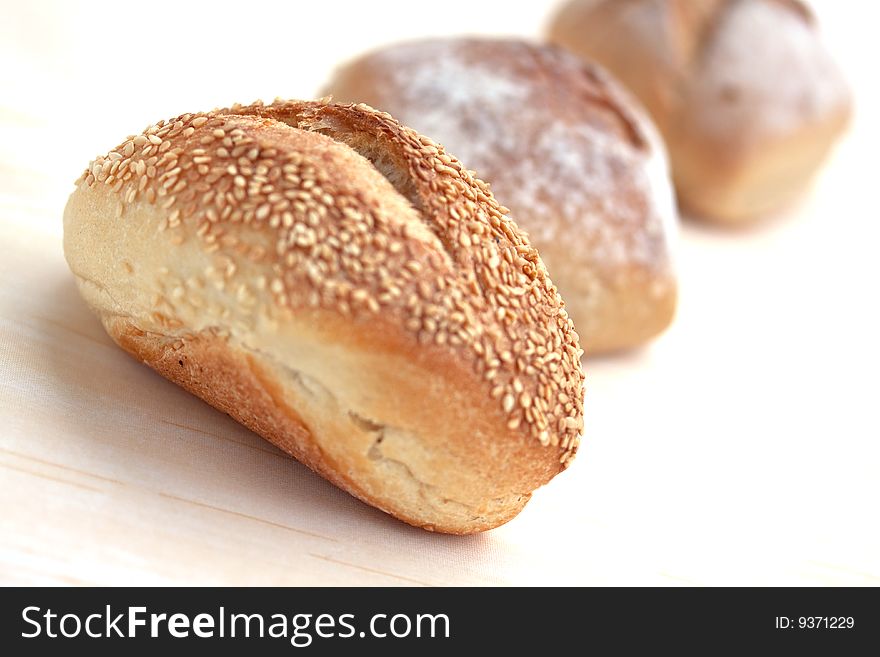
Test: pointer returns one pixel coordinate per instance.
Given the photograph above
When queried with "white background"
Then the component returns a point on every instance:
(742, 447)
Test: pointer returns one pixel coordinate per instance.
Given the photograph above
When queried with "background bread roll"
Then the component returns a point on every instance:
(746, 96)
(340, 285)
(564, 148)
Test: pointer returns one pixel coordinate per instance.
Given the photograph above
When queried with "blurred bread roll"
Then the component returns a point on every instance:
(565, 148)
(746, 96)
(343, 287)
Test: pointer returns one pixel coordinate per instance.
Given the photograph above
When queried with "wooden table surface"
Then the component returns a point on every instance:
(742, 447)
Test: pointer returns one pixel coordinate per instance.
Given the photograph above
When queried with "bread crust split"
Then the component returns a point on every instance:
(345, 288)
(566, 148)
(746, 96)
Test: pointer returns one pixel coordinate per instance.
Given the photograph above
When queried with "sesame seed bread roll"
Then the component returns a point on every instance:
(745, 94)
(565, 148)
(345, 288)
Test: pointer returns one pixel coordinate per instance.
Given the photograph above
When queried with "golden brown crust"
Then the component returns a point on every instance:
(236, 383)
(566, 150)
(746, 97)
(257, 236)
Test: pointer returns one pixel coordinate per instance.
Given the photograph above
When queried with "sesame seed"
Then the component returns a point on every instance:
(263, 211)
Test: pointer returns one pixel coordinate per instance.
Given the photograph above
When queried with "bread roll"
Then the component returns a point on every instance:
(342, 286)
(563, 147)
(747, 98)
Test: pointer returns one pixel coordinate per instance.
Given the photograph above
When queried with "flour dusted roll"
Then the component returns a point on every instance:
(565, 148)
(345, 288)
(746, 96)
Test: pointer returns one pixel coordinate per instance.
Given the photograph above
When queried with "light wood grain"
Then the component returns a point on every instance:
(741, 447)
